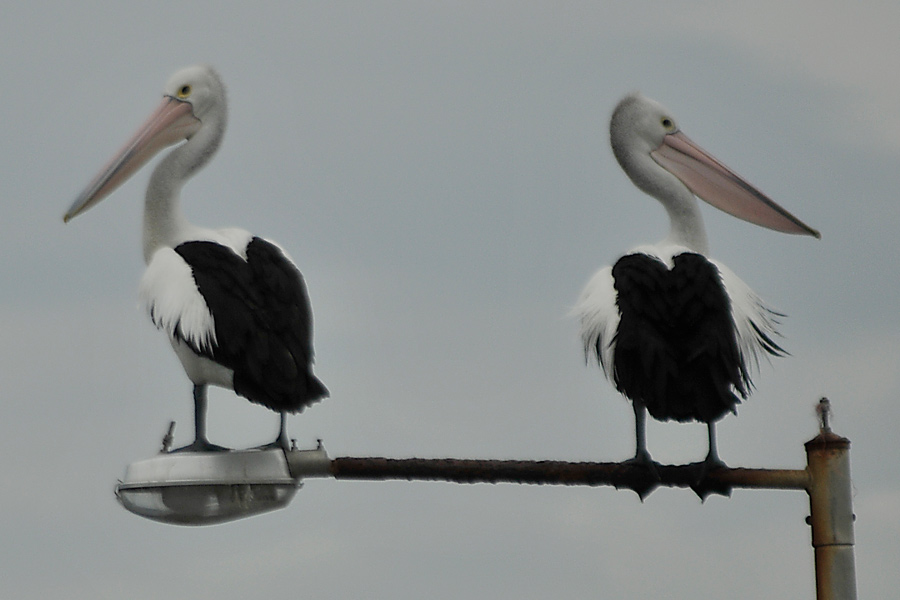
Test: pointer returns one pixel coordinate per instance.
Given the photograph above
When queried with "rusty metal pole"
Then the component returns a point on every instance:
(826, 479)
(831, 511)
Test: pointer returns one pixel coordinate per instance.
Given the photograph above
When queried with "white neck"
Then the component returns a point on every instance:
(164, 223)
(685, 220)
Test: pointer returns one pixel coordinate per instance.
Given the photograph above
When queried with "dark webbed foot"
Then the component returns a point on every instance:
(202, 446)
(646, 476)
(282, 441)
(703, 486)
(200, 443)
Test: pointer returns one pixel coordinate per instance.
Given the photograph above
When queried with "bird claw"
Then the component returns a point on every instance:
(202, 446)
(280, 443)
(702, 485)
(646, 477)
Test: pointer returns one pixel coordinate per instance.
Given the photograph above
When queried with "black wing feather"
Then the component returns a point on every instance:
(676, 346)
(263, 321)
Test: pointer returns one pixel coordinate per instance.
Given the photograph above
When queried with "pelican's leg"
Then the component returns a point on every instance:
(200, 403)
(282, 439)
(712, 457)
(702, 486)
(640, 434)
(647, 479)
(200, 443)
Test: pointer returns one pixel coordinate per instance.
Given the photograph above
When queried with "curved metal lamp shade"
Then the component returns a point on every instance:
(205, 488)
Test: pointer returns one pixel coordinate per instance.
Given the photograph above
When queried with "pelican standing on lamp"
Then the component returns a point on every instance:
(234, 305)
(676, 332)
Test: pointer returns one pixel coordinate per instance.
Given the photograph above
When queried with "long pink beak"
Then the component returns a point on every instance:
(172, 122)
(713, 182)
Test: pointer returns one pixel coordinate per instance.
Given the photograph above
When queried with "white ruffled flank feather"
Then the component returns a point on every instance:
(599, 319)
(756, 323)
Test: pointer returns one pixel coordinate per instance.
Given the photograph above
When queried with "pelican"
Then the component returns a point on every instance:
(234, 306)
(676, 332)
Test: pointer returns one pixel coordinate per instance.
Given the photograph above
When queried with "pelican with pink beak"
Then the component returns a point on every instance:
(676, 332)
(234, 306)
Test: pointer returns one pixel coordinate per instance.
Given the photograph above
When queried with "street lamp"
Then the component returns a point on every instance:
(205, 488)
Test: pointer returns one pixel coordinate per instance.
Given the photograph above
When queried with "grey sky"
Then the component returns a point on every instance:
(442, 175)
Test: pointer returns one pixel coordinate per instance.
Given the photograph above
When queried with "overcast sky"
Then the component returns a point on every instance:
(441, 173)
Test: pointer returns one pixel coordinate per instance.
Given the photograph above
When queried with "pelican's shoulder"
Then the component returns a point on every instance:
(234, 238)
(664, 252)
(239, 240)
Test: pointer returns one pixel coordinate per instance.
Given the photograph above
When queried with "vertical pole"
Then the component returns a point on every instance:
(831, 511)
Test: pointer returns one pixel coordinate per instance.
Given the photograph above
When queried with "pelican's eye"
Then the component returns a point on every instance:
(184, 91)
(668, 124)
